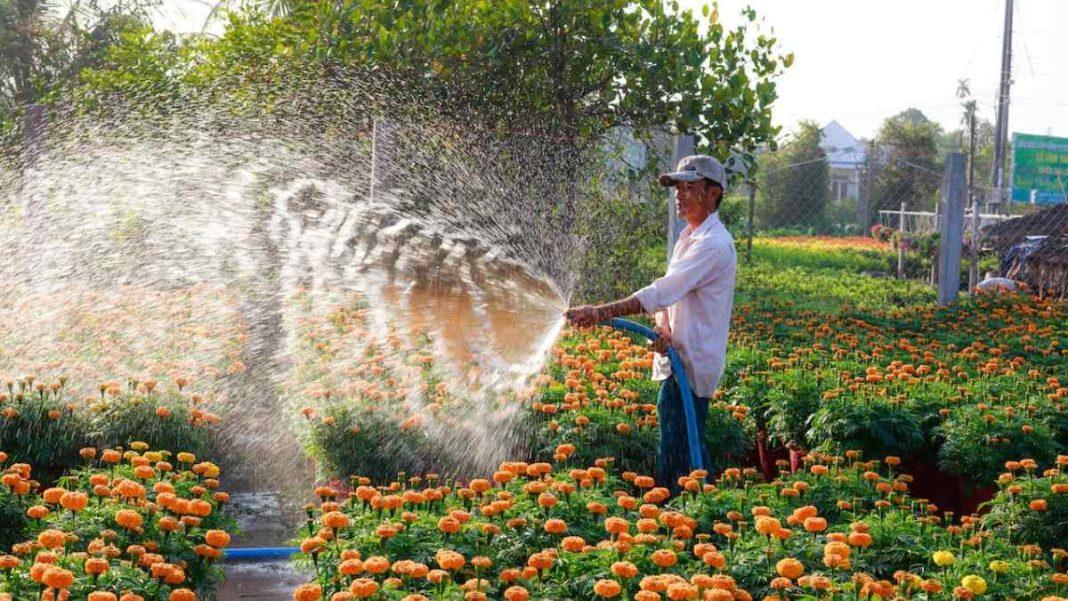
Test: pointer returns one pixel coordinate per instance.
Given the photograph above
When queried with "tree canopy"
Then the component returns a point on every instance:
(565, 68)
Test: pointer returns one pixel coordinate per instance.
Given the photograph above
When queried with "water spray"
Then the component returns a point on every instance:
(276, 553)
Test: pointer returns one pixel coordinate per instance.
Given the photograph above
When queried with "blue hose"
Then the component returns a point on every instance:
(260, 553)
(684, 387)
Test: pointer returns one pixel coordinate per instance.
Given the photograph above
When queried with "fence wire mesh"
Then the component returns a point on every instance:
(893, 194)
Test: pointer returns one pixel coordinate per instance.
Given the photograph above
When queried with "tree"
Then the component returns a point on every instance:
(564, 70)
(44, 45)
(793, 185)
(906, 162)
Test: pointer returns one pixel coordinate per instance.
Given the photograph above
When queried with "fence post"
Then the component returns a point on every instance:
(749, 224)
(684, 146)
(901, 243)
(951, 230)
(33, 135)
(973, 250)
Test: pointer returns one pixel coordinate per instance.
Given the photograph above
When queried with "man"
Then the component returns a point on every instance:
(692, 306)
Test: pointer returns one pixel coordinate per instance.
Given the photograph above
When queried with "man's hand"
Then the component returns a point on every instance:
(663, 339)
(583, 315)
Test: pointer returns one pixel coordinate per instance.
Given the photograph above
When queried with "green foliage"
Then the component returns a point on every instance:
(46, 430)
(12, 519)
(978, 442)
(134, 418)
(41, 430)
(790, 406)
(876, 427)
(793, 184)
(352, 440)
(626, 241)
(725, 438)
(45, 44)
(1043, 523)
(911, 170)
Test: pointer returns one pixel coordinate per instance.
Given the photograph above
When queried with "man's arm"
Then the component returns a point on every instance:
(587, 315)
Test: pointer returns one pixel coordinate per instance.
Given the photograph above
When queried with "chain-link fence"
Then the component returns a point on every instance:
(891, 194)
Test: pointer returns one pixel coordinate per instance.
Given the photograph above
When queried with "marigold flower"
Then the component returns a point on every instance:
(624, 569)
(607, 588)
(363, 587)
(74, 501)
(790, 568)
(52, 538)
(943, 558)
(555, 526)
(449, 560)
(664, 558)
(974, 583)
(57, 578)
(308, 592)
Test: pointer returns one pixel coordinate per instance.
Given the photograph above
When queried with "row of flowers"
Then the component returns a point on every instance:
(130, 524)
(46, 423)
(841, 529)
(910, 383)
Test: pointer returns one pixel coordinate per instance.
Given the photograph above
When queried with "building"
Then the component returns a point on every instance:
(845, 157)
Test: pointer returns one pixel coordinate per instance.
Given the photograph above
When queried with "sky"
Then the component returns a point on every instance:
(861, 61)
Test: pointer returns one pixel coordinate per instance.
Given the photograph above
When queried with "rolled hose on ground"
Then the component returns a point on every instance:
(268, 553)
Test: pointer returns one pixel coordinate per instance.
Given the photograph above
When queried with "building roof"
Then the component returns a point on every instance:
(842, 148)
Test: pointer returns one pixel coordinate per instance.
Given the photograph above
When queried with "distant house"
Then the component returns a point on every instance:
(845, 156)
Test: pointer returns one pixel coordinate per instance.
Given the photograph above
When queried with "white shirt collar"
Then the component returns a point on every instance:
(706, 225)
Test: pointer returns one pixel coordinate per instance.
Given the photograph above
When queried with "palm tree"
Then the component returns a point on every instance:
(964, 92)
(271, 8)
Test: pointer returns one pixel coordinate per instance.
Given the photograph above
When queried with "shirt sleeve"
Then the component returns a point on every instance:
(685, 275)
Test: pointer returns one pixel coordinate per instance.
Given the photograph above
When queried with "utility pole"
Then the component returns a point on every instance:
(969, 200)
(1001, 128)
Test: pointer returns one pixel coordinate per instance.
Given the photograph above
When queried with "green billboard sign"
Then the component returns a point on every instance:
(1039, 169)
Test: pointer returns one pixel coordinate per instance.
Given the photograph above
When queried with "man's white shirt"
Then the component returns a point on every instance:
(698, 294)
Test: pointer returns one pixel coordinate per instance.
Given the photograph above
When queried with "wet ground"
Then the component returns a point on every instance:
(265, 519)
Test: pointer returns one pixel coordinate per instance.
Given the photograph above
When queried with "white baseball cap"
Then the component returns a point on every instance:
(695, 167)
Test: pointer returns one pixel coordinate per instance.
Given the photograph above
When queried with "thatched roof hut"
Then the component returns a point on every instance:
(1046, 269)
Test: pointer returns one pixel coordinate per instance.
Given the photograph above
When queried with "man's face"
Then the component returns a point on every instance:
(691, 197)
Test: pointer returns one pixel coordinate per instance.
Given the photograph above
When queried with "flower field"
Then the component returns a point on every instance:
(840, 528)
(852, 450)
(128, 524)
(865, 444)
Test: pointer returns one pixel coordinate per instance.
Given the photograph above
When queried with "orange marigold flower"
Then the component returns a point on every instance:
(57, 578)
(664, 558)
(449, 560)
(52, 538)
(681, 590)
(376, 564)
(217, 538)
(789, 568)
(129, 519)
(308, 592)
(607, 588)
(555, 526)
(363, 587)
(624, 569)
